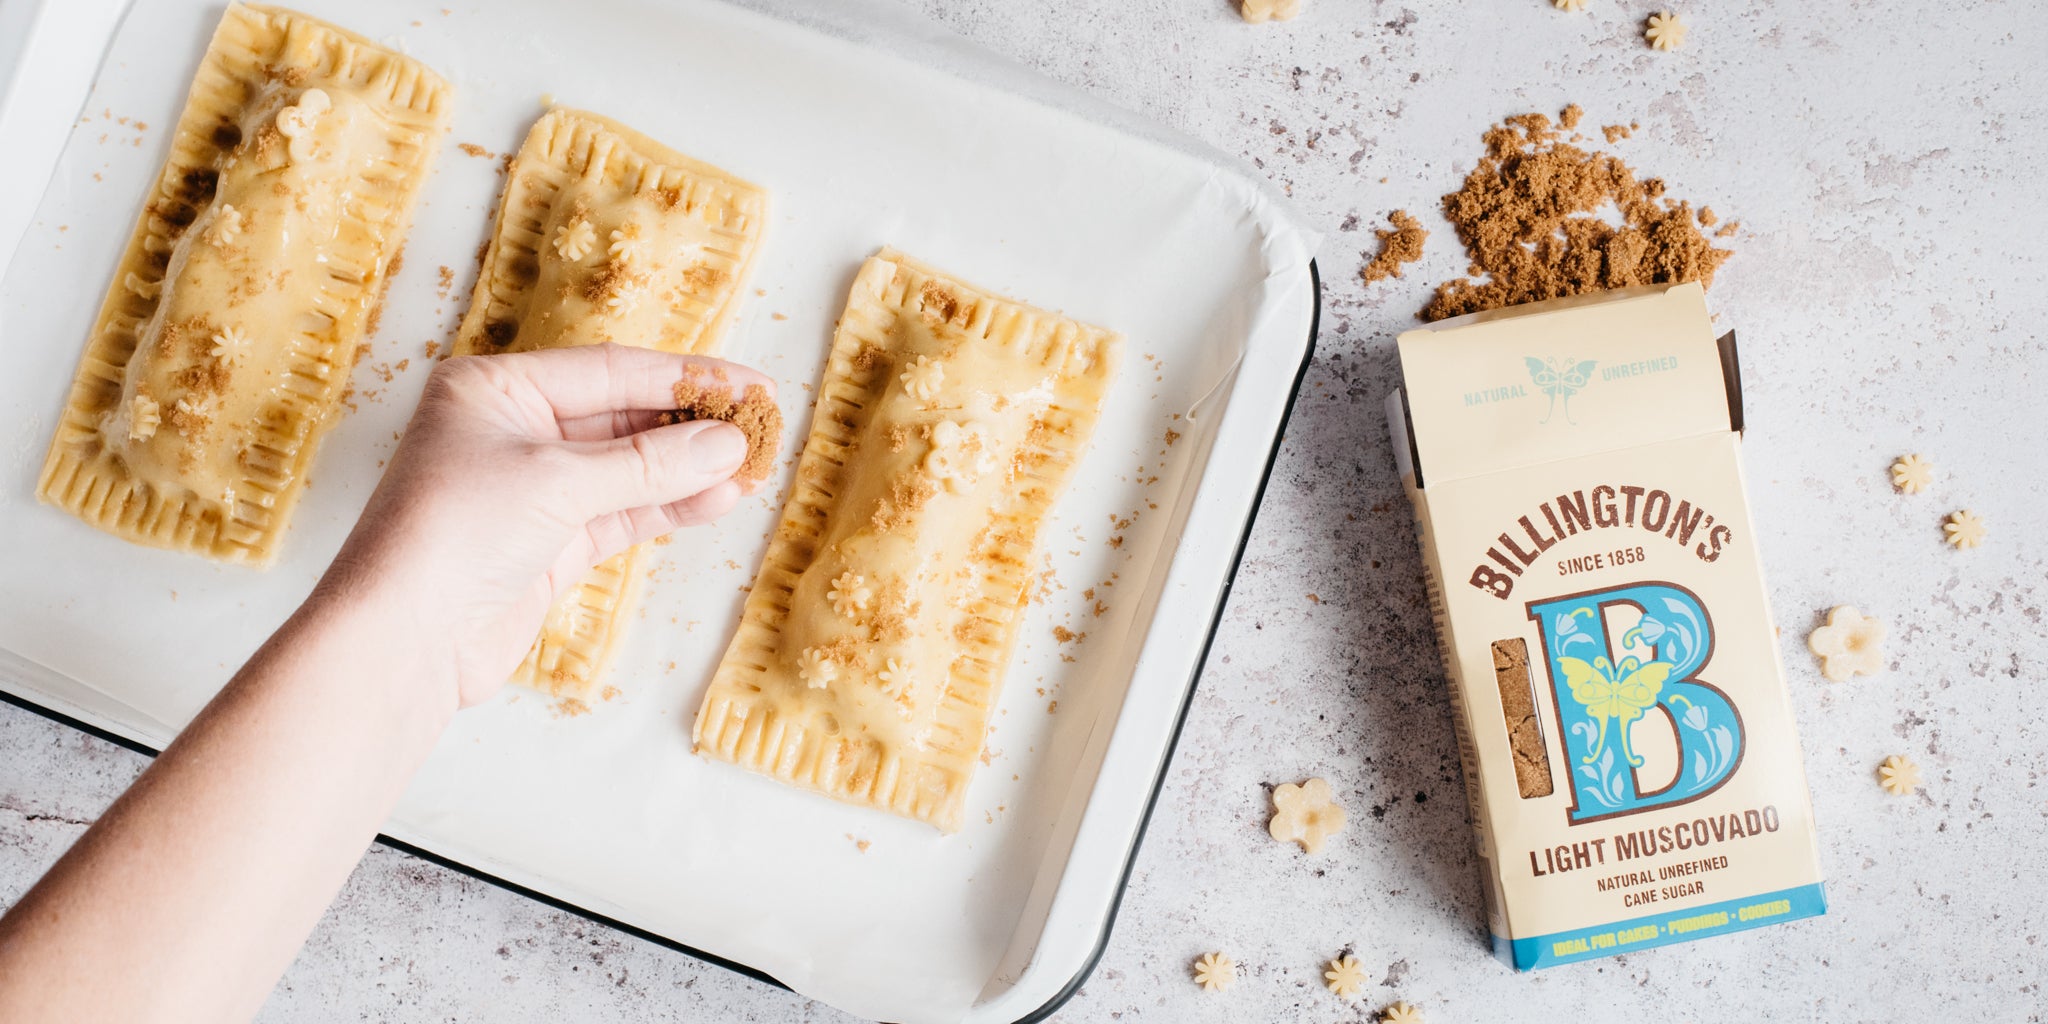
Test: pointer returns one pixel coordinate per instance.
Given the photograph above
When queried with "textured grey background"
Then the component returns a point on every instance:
(1883, 158)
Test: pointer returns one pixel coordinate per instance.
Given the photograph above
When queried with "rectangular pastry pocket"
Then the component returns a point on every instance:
(874, 642)
(605, 235)
(227, 337)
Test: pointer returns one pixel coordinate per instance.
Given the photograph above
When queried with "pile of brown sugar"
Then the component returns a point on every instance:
(753, 411)
(1530, 216)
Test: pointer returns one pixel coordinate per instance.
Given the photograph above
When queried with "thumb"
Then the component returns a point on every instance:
(657, 466)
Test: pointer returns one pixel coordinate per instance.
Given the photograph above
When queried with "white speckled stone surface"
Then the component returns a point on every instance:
(1883, 159)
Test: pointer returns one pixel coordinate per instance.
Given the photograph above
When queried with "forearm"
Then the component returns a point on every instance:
(193, 892)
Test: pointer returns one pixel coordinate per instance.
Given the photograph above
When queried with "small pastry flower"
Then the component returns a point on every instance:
(229, 344)
(1256, 11)
(1849, 644)
(140, 286)
(191, 413)
(923, 378)
(574, 240)
(850, 594)
(1215, 972)
(1569, 5)
(1898, 775)
(1965, 529)
(959, 456)
(1401, 1013)
(623, 299)
(816, 669)
(226, 227)
(1665, 31)
(297, 122)
(627, 244)
(1305, 814)
(144, 416)
(1912, 474)
(1344, 976)
(895, 677)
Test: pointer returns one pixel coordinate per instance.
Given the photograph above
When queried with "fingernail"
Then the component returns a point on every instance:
(718, 448)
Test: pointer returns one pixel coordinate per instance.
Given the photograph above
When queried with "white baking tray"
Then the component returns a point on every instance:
(870, 129)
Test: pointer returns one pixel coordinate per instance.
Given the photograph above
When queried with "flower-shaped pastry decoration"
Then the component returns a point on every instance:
(850, 594)
(226, 227)
(628, 246)
(1665, 31)
(923, 378)
(1964, 529)
(1256, 11)
(1851, 643)
(1215, 972)
(229, 345)
(1569, 5)
(1912, 474)
(623, 299)
(960, 454)
(894, 676)
(1345, 976)
(1401, 1013)
(142, 286)
(1898, 775)
(144, 416)
(1305, 814)
(575, 239)
(300, 122)
(193, 412)
(816, 668)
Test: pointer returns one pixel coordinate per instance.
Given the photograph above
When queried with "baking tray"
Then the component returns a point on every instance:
(871, 128)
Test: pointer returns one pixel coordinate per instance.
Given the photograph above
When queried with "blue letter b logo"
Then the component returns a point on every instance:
(1602, 687)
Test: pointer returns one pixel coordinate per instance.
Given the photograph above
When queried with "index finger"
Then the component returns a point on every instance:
(597, 380)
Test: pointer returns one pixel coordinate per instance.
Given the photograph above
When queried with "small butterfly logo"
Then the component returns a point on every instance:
(1559, 380)
(1615, 694)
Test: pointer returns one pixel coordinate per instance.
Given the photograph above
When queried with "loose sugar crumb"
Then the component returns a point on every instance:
(1399, 247)
(1898, 775)
(1616, 132)
(1305, 813)
(1912, 474)
(1964, 529)
(1531, 218)
(1215, 972)
(1344, 976)
(1851, 643)
(570, 707)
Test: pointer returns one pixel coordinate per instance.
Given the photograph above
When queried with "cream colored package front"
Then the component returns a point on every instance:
(1630, 760)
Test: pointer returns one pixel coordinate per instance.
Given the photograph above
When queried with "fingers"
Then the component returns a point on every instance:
(653, 467)
(598, 380)
(613, 533)
(604, 426)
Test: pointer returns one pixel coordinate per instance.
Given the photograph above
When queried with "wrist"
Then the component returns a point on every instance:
(378, 646)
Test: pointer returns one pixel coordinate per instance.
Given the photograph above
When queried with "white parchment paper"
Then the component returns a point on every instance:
(869, 129)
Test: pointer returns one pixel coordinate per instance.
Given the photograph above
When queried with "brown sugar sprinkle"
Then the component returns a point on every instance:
(1398, 247)
(939, 304)
(703, 277)
(1529, 216)
(1067, 636)
(445, 280)
(472, 149)
(1569, 118)
(1172, 435)
(753, 411)
(1617, 132)
(908, 494)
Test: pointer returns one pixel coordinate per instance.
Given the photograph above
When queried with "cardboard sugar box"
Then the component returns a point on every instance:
(1630, 761)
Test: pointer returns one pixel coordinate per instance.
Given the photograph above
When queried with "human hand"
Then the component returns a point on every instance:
(517, 474)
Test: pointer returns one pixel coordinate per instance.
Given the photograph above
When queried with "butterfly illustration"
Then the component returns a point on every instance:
(1559, 380)
(1614, 694)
